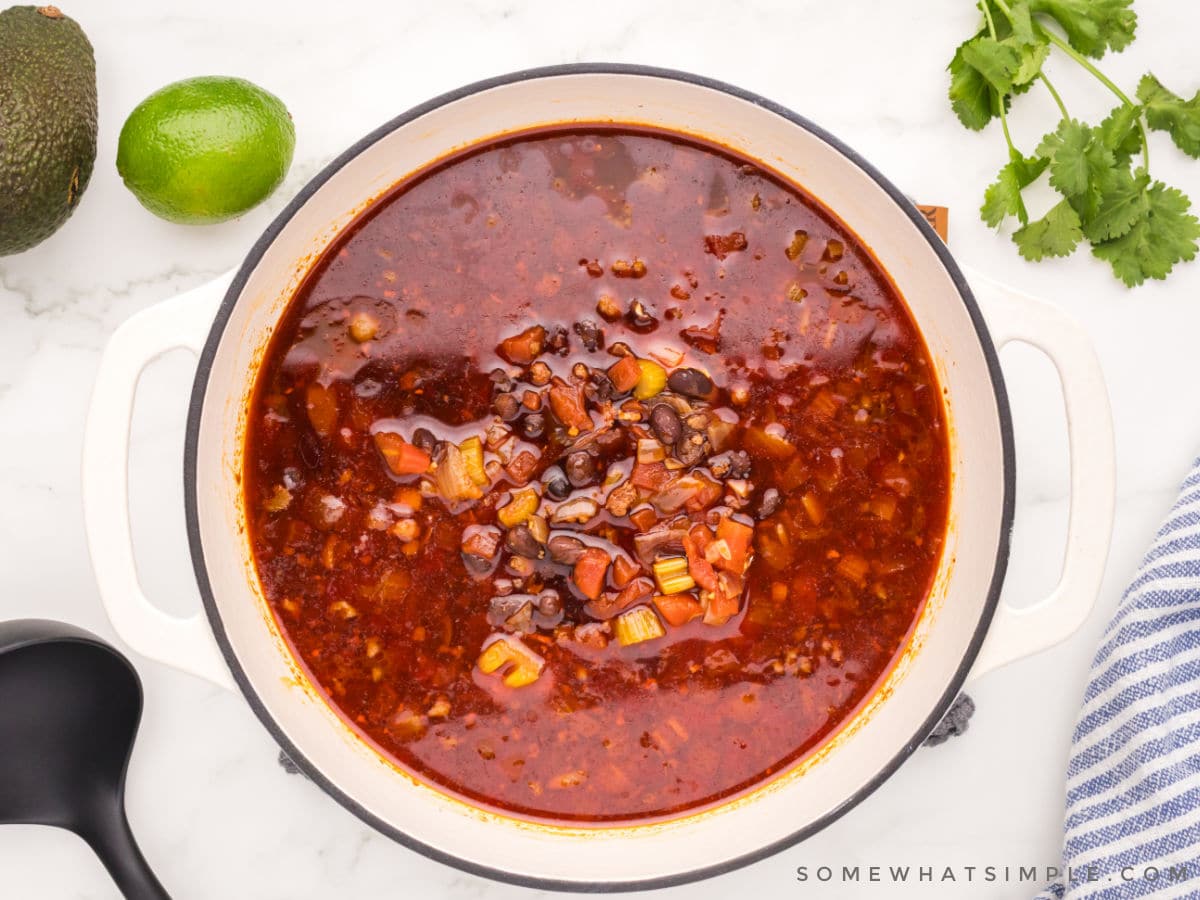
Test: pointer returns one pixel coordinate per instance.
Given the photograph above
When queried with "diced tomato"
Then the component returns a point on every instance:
(522, 467)
(624, 570)
(793, 475)
(725, 601)
(401, 457)
(737, 536)
(761, 443)
(854, 568)
(700, 569)
(322, 405)
(589, 572)
(610, 604)
(523, 348)
(408, 495)
(650, 476)
(644, 518)
(897, 477)
(624, 373)
(803, 596)
(481, 540)
(567, 404)
(678, 609)
(708, 494)
(633, 591)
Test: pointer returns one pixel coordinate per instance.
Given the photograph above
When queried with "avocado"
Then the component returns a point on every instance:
(47, 122)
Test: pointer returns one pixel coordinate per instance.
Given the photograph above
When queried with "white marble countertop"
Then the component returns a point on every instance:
(215, 814)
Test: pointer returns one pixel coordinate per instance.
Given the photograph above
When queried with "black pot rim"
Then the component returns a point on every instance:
(197, 550)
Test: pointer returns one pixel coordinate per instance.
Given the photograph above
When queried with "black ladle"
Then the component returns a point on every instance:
(69, 710)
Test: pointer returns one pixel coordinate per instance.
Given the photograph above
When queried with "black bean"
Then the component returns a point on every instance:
(640, 317)
(522, 620)
(666, 424)
(557, 486)
(599, 387)
(581, 468)
(503, 606)
(769, 503)
(591, 334)
(310, 448)
(477, 567)
(565, 549)
(424, 439)
(500, 380)
(533, 425)
(368, 388)
(507, 406)
(520, 540)
(690, 383)
(549, 603)
(619, 349)
(612, 441)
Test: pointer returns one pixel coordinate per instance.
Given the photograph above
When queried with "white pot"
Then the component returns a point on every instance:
(949, 643)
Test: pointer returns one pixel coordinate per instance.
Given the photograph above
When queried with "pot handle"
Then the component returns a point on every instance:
(1014, 316)
(181, 322)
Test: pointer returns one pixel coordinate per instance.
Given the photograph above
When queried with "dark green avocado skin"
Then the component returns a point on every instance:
(47, 123)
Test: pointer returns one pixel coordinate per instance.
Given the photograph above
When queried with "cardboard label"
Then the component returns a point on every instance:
(938, 217)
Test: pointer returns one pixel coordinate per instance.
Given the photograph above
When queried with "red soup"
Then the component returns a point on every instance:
(596, 475)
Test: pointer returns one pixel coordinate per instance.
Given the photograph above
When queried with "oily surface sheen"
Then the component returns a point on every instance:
(745, 278)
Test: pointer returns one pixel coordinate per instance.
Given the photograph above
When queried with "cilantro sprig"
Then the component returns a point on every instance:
(1138, 225)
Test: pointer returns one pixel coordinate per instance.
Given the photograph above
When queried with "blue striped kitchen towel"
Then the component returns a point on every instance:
(1132, 824)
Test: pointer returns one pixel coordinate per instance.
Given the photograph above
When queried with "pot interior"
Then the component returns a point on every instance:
(946, 635)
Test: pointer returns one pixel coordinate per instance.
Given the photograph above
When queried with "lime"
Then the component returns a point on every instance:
(205, 150)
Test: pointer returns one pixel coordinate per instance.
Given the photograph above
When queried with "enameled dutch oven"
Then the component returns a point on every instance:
(962, 631)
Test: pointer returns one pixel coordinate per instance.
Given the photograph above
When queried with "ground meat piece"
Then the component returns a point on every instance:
(721, 245)
(590, 334)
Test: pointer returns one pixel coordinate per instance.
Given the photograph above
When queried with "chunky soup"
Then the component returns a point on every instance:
(596, 475)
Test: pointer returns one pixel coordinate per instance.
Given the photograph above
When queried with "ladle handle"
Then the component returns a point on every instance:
(113, 842)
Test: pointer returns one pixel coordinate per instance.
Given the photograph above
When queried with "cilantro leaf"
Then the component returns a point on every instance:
(1141, 227)
(1003, 197)
(985, 71)
(1122, 194)
(1032, 48)
(996, 62)
(1120, 132)
(1032, 56)
(1055, 234)
(1092, 26)
(1164, 234)
(1017, 22)
(1078, 164)
(1167, 112)
(971, 97)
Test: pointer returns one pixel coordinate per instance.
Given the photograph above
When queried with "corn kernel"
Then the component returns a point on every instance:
(505, 652)
(472, 452)
(653, 379)
(524, 503)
